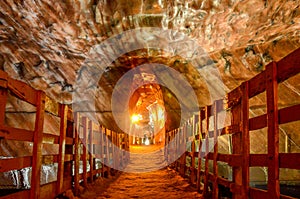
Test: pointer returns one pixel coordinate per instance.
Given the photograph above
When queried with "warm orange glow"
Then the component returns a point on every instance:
(135, 118)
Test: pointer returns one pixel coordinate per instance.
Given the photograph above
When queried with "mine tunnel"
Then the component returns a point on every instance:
(149, 99)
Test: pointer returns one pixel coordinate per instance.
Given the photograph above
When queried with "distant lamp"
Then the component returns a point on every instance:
(147, 142)
(135, 118)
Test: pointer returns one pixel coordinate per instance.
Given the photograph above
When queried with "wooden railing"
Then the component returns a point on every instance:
(236, 105)
(76, 140)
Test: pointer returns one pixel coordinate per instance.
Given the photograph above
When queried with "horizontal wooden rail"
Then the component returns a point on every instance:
(11, 133)
(54, 141)
(238, 134)
(14, 163)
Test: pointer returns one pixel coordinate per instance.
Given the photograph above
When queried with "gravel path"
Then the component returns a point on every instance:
(156, 182)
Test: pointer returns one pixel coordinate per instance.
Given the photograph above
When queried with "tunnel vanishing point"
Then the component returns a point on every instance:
(149, 99)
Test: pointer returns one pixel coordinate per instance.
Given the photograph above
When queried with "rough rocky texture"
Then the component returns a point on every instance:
(44, 43)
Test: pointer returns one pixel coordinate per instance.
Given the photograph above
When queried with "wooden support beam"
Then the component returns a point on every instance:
(206, 171)
(108, 149)
(273, 132)
(215, 155)
(37, 145)
(3, 99)
(11, 133)
(201, 117)
(236, 148)
(76, 130)
(85, 150)
(101, 152)
(246, 140)
(192, 176)
(183, 145)
(91, 149)
(23, 91)
(288, 66)
(15, 163)
(63, 111)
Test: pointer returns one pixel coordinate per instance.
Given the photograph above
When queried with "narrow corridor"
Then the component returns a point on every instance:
(134, 183)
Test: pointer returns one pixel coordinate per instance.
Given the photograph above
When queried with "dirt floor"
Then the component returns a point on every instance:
(156, 182)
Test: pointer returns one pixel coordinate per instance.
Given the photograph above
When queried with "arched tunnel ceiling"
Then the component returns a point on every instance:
(44, 43)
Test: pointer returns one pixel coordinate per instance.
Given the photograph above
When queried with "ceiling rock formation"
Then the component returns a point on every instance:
(46, 43)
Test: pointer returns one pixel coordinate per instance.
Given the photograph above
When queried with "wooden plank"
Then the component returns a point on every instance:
(257, 84)
(69, 157)
(15, 163)
(85, 150)
(273, 131)
(289, 114)
(286, 197)
(20, 194)
(206, 171)
(3, 99)
(107, 154)
(23, 91)
(236, 128)
(77, 153)
(237, 150)
(101, 152)
(192, 175)
(246, 140)
(116, 151)
(215, 154)
(233, 97)
(258, 160)
(37, 146)
(183, 145)
(63, 112)
(288, 66)
(210, 156)
(233, 160)
(113, 149)
(69, 141)
(258, 193)
(258, 122)
(91, 149)
(11, 133)
(3, 79)
(289, 160)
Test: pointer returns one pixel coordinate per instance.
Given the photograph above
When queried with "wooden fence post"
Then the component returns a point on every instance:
(236, 149)
(183, 157)
(91, 149)
(192, 177)
(215, 155)
(37, 146)
(63, 112)
(76, 130)
(273, 131)
(85, 152)
(3, 96)
(246, 139)
(199, 151)
(102, 145)
(205, 189)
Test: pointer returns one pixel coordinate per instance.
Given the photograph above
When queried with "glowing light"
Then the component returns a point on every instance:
(135, 118)
(147, 142)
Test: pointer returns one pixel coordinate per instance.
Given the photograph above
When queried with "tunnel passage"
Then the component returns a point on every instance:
(61, 61)
(68, 151)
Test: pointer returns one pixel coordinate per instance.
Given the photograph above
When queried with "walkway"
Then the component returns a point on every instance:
(156, 183)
